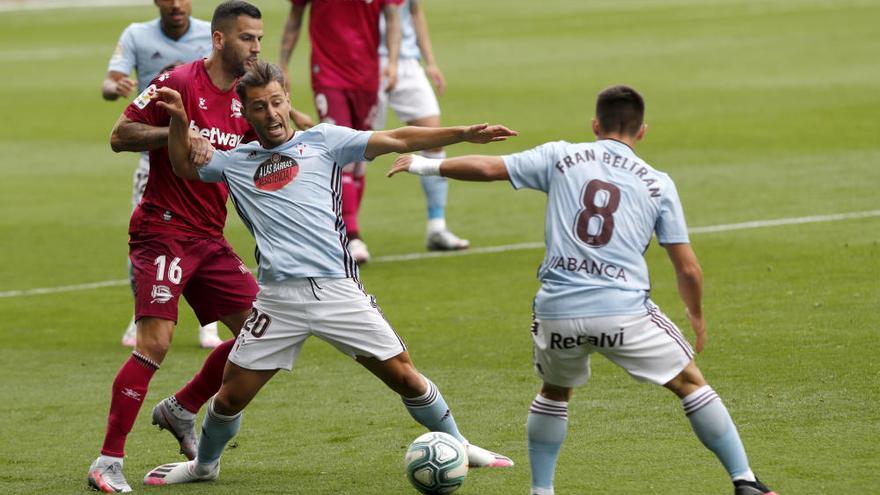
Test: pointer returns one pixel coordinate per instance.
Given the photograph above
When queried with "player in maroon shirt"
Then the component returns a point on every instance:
(345, 77)
(176, 238)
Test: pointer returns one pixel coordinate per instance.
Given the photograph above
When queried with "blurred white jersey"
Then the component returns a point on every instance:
(604, 204)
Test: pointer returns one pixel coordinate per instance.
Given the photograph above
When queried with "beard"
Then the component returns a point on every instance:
(233, 62)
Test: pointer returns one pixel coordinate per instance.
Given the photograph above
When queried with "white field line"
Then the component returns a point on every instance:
(20, 5)
(491, 249)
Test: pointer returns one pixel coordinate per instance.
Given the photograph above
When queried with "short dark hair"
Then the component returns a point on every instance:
(620, 109)
(231, 10)
(259, 76)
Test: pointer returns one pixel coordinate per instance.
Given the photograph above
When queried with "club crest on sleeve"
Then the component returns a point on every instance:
(276, 172)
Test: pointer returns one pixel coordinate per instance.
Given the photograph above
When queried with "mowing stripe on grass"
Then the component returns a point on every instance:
(757, 224)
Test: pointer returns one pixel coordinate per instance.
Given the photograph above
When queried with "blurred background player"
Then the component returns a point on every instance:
(414, 103)
(149, 48)
(345, 77)
(176, 242)
(604, 204)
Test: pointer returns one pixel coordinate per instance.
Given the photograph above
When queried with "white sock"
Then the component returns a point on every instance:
(436, 225)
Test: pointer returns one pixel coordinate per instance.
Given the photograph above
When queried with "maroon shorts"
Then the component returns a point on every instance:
(352, 108)
(212, 278)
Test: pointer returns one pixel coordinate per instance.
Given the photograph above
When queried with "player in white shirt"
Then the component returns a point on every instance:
(287, 189)
(415, 103)
(604, 204)
(147, 48)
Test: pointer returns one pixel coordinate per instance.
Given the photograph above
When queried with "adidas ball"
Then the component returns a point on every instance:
(436, 463)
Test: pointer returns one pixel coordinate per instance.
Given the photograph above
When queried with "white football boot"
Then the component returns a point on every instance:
(182, 472)
(183, 429)
(480, 457)
(208, 338)
(107, 477)
(445, 240)
(129, 338)
(358, 250)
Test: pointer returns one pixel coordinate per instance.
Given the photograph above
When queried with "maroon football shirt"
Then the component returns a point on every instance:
(172, 204)
(345, 42)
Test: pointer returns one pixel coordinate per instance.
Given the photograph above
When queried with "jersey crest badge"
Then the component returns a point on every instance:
(300, 148)
(236, 109)
(276, 172)
(202, 104)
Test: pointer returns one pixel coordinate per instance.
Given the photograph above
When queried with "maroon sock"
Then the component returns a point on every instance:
(350, 204)
(129, 391)
(207, 381)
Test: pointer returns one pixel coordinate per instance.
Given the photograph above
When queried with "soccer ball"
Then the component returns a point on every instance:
(436, 463)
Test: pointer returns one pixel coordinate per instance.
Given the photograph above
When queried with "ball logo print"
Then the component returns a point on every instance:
(436, 463)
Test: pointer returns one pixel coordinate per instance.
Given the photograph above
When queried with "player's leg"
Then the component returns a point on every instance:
(128, 393)
(714, 427)
(270, 340)
(222, 422)
(221, 289)
(351, 320)
(560, 367)
(414, 102)
(161, 270)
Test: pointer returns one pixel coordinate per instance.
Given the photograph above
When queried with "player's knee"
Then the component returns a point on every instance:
(228, 403)
(555, 392)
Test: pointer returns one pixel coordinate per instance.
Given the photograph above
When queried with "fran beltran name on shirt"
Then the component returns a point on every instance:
(614, 161)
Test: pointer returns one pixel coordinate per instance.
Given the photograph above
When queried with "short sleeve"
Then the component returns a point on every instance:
(671, 227)
(532, 168)
(346, 145)
(123, 59)
(143, 108)
(213, 170)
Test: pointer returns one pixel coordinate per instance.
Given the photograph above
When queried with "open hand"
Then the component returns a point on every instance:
(436, 77)
(485, 133)
(389, 75)
(400, 165)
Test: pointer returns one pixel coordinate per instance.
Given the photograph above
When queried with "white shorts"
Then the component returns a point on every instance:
(648, 346)
(412, 97)
(139, 179)
(335, 310)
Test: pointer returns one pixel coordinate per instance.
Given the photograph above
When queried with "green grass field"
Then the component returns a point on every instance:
(760, 109)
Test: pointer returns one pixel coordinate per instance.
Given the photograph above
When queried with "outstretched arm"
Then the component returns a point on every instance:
(408, 139)
(185, 158)
(690, 286)
(480, 168)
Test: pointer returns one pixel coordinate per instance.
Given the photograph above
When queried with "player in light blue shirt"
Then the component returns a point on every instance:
(413, 101)
(604, 204)
(287, 189)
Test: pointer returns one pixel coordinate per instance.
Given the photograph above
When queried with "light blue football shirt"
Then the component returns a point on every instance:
(146, 49)
(290, 198)
(409, 45)
(604, 203)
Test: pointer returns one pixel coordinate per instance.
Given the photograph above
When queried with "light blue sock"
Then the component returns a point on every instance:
(713, 426)
(436, 189)
(431, 411)
(547, 426)
(217, 430)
